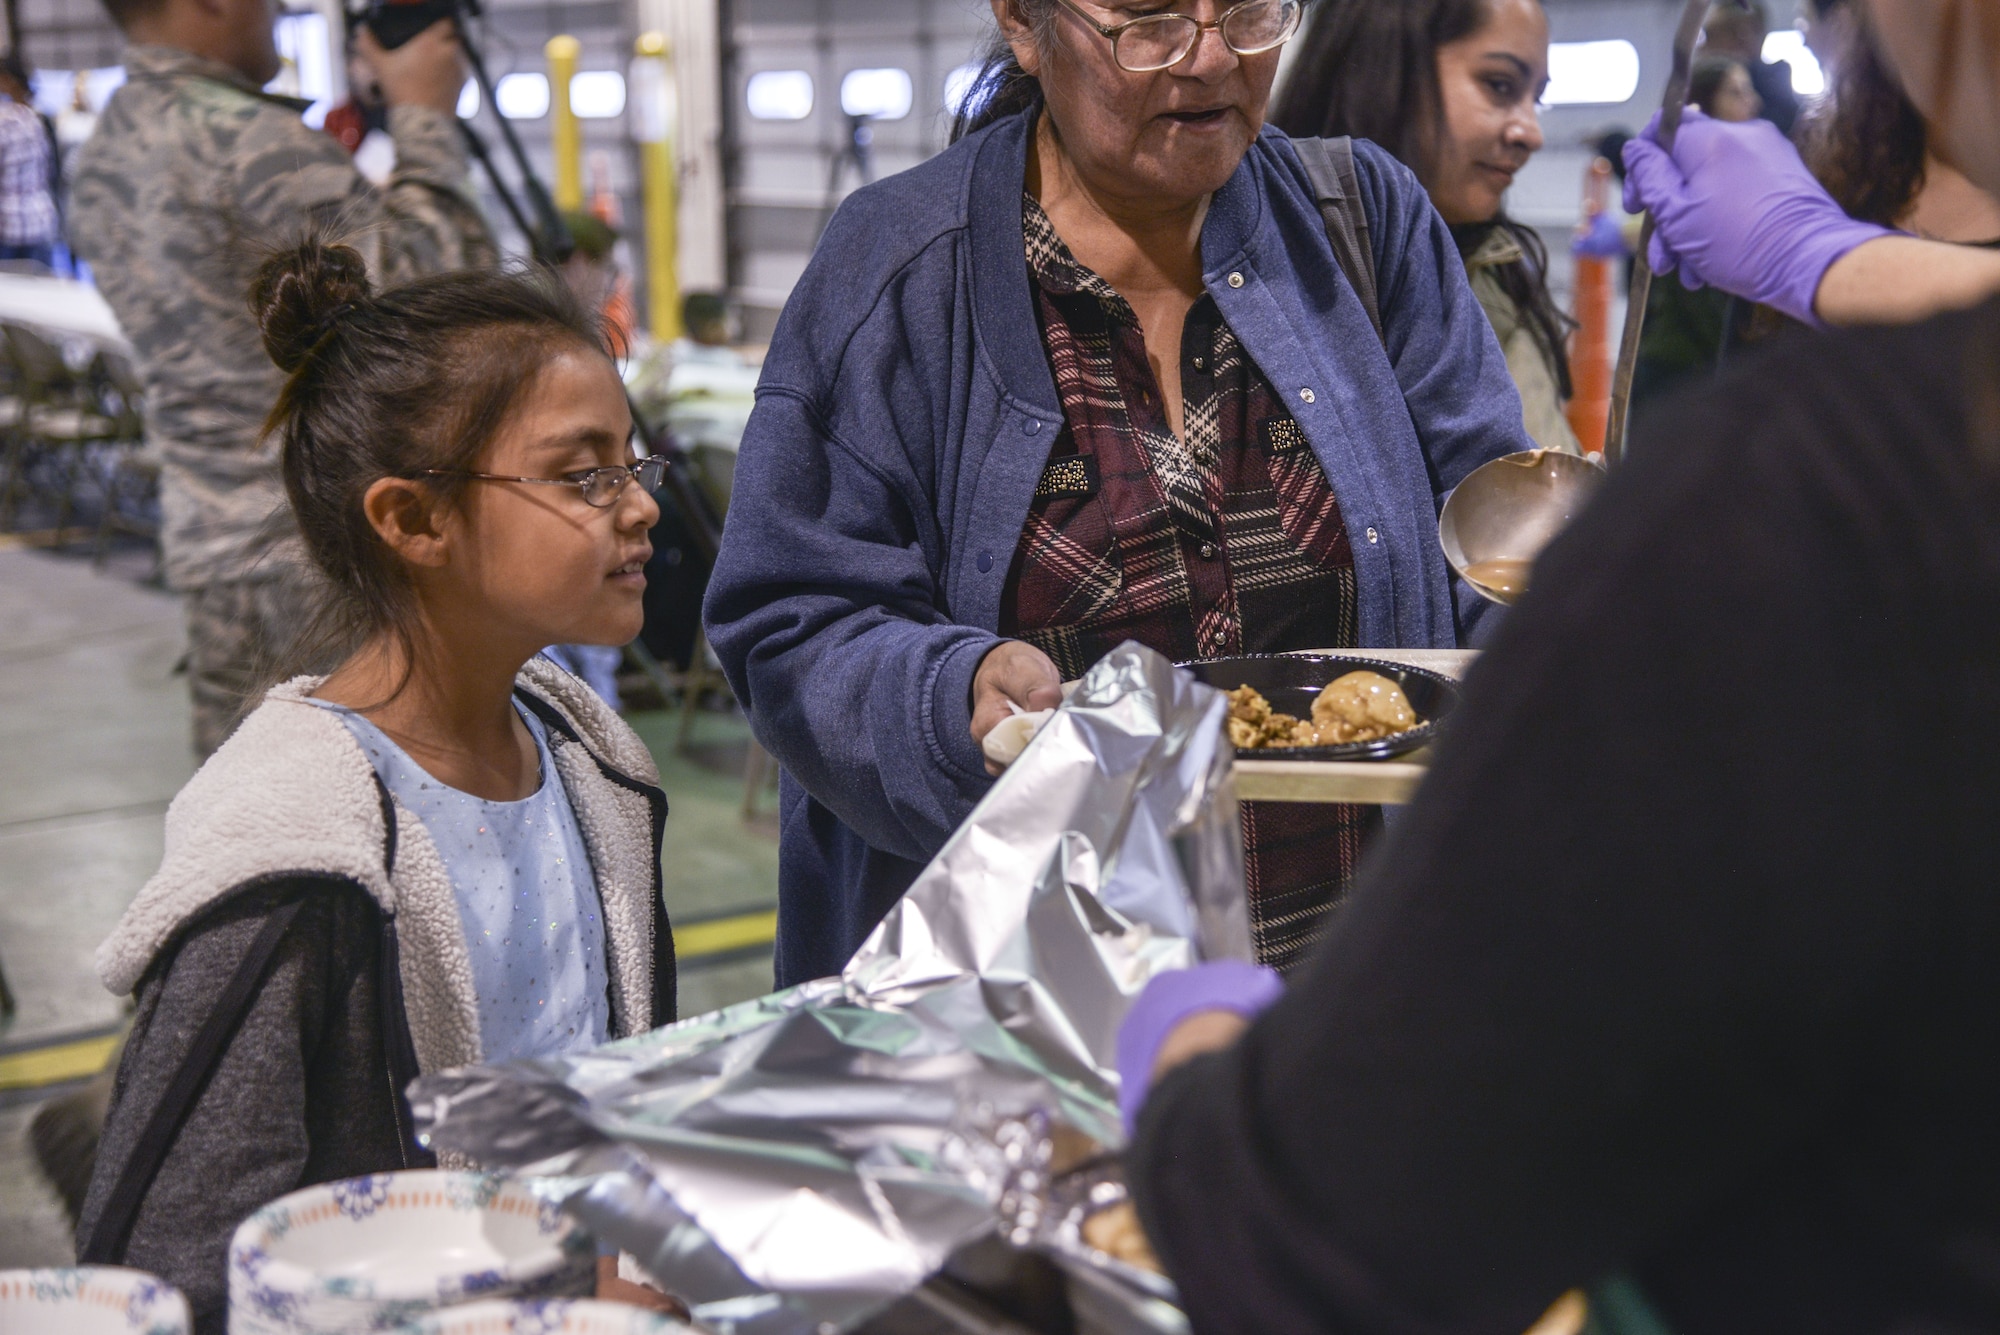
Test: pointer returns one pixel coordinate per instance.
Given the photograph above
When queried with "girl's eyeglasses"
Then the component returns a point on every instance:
(1157, 41)
(601, 487)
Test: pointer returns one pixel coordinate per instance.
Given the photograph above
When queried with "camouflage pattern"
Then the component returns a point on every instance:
(243, 634)
(192, 177)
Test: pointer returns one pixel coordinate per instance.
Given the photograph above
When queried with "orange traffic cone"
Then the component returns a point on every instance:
(1590, 346)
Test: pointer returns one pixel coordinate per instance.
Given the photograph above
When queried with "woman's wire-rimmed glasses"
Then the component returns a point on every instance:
(1156, 41)
(600, 487)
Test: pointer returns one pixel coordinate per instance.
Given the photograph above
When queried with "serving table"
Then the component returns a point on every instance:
(1370, 782)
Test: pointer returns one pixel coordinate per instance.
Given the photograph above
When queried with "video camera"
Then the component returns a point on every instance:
(395, 22)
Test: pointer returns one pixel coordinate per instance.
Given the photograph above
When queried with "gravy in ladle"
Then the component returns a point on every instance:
(1506, 579)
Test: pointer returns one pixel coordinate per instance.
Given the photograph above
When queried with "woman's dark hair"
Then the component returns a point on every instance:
(1001, 87)
(1368, 68)
(392, 384)
(1867, 142)
(1707, 80)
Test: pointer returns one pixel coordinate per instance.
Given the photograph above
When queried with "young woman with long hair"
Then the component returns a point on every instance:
(1450, 87)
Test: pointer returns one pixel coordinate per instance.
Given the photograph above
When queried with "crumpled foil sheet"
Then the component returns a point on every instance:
(795, 1163)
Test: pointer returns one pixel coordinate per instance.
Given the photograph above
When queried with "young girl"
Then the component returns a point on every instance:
(1450, 87)
(448, 850)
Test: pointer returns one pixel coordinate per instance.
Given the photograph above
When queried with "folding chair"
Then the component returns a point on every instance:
(56, 419)
(131, 480)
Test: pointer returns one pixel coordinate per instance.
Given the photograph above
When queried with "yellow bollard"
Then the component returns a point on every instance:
(651, 95)
(567, 136)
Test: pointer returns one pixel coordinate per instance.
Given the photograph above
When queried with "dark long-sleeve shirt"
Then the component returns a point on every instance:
(1685, 963)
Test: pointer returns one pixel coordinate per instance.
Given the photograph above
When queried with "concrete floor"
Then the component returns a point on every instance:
(93, 744)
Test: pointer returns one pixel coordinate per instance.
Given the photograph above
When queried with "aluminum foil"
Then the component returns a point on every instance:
(798, 1162)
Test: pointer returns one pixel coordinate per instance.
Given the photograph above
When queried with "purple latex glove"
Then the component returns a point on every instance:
(1219, 985)
(1735, 208)
(1598, 239)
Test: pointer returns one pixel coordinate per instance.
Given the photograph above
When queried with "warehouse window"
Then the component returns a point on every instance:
(597, 95)
(960, 86)
(55, 90)
(303, 41)
(780, 95)
(883, 95)
(522, 97)
(1591, 73)
(1789, 46)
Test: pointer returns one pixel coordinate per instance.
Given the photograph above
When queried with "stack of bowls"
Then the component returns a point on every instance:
(377, 1253)
(553, 1317)
(90, 1300)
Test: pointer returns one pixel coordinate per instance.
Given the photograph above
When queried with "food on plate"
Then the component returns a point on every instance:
(1362, 706)
(1115, 1231)
(1253, 723)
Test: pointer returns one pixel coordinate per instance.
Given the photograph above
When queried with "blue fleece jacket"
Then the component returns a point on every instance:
(902, 422)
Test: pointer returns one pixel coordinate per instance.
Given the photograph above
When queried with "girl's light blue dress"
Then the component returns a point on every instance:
(534, 926)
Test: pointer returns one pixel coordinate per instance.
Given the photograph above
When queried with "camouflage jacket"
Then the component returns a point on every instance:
(192, 176)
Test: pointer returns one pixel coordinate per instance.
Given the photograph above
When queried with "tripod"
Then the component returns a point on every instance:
(858, 152)
(550, 243)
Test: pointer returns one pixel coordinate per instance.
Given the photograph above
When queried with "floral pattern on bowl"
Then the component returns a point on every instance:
(374, 1253)
(90, 1300)
(555, 1317)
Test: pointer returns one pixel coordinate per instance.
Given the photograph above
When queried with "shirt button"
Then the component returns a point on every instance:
(1236, 280)
(1305, 396)
(1030, 427)
(1201, 363)
(1208, 551)
(1373, 536)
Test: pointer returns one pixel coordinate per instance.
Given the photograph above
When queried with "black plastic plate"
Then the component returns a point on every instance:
(1291, 682)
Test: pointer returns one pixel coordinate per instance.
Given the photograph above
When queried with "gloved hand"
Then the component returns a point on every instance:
(1219, 985)
(1598, 239)
(1735, 208)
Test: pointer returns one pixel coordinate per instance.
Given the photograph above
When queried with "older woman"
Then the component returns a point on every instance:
(1092, 374)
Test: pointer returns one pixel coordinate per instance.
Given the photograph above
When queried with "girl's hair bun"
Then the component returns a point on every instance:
(300, 293)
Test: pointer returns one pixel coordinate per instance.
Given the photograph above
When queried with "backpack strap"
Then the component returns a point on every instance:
(113, 1230)
(1329, 165)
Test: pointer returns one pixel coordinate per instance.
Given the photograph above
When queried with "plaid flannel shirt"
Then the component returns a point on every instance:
(27, 209)
(1225, 539)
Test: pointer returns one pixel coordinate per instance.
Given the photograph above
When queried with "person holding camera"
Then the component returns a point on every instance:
(193, 176)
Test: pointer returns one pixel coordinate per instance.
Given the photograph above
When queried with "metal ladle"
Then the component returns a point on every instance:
(1671, 106)
(1506, 511)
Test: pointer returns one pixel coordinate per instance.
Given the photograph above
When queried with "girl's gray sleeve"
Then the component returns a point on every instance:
(246, 1139)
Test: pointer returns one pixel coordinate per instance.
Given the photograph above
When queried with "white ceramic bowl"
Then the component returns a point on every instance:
(372, 1253)
(548, 1317)
(90, 1300)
